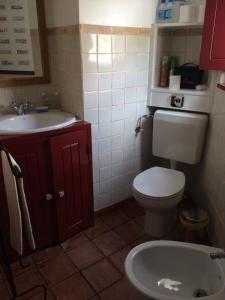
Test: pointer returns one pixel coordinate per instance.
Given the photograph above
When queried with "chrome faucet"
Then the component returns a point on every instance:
(22, 108)
(217, 255)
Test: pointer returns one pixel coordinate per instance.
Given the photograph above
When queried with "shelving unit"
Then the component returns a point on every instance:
(182, 40)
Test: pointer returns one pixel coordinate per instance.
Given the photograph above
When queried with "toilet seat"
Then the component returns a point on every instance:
(159, 183)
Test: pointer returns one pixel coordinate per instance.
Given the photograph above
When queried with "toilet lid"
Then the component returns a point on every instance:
(159, 182)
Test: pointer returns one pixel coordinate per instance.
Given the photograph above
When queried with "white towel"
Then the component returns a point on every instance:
(17, 206)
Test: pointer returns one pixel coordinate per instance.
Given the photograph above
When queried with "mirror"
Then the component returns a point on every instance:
(23, 43)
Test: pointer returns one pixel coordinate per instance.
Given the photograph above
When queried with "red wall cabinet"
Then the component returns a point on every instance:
(213, 43)
(57, 169)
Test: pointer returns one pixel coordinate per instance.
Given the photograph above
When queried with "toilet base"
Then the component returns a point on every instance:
(158, 223)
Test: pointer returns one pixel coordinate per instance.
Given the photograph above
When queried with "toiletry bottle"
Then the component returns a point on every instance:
(45, 99)
(173, 10)
(172, 65)
(164, 72)
(161, 11)
(169, 12)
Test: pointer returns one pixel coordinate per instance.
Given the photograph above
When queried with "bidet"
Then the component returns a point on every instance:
(217, 255)
(168, 270)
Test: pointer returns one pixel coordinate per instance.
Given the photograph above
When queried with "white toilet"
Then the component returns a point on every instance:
(177, 136)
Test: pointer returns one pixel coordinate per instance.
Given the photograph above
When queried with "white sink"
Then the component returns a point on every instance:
(35, 122)
(166, 270)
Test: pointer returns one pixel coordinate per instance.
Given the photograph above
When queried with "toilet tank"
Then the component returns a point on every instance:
(179, 135)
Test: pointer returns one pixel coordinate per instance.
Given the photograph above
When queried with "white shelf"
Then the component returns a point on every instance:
(177, 25)
(181, 91)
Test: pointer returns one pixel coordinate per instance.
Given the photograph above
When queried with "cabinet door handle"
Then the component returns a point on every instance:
(49, 197)
(61, 194)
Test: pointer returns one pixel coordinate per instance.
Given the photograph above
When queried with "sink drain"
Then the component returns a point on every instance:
(200, 293)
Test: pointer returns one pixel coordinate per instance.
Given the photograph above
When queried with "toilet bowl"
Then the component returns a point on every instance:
(168, 270)
(179, 137)
(159, 190)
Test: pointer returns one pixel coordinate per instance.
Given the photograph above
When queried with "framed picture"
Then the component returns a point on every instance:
(16, 55)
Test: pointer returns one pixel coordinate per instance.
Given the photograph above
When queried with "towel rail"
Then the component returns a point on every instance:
(4, 259)
(15, 170)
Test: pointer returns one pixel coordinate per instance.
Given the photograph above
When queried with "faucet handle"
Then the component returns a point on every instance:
(27, 105)
(13, 104)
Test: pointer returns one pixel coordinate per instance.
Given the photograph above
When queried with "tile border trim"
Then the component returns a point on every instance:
(99, 29)
(70, 29)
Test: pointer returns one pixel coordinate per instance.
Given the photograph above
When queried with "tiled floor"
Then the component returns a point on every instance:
(89, 265)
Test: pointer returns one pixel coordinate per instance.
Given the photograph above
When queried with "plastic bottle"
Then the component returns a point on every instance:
(172, 65)
(161, 11)
(173, 10)
(169, 12)
(164, 72)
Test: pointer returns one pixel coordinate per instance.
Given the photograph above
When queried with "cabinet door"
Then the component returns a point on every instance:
(34, 160)
(213, 44)
(72, 182)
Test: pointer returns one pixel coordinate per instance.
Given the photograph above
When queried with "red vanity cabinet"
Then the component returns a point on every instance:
(57, 169)
(71, 177)
(213, 43)
(34, 160)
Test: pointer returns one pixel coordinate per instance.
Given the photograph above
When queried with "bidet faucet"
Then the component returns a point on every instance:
(217, 255)
(22, 108)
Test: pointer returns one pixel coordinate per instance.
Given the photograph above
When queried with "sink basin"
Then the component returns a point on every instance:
(35, 122)
(166, 270)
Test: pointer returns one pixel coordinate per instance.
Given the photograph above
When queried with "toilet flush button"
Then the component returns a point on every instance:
(177, 101)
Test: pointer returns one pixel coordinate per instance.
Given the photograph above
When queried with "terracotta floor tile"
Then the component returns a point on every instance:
(85, 255)
(98, 229)
(133, 210)
(73, 288)
(1, 274)
(114, 218)
(46, 254)
(74, 241)
(4, 294)
(57, 269)
(27, 280)
(101, 275)
(109, 242)
(143, 239)
(120, 290)
(176, 234)
(41, 296)
(129, 231)
(140, 220)
(119, 257)
(18, 269)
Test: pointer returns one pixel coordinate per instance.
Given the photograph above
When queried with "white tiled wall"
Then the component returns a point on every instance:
(115, 81)
(186, 45)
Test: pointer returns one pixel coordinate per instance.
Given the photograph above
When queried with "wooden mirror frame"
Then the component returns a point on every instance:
(45, 78)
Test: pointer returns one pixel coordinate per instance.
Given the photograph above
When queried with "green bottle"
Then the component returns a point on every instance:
(172, 64)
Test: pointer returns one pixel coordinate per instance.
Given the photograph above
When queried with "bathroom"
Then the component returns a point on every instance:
(99, 62)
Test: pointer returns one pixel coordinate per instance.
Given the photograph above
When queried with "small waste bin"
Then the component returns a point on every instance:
(194, 221)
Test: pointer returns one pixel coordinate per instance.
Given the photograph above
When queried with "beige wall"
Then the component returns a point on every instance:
(62, 13)
(65, 66)
(132, 13)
